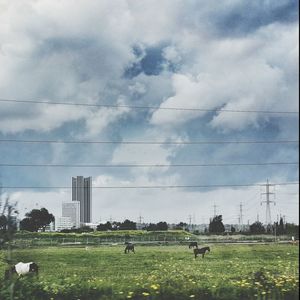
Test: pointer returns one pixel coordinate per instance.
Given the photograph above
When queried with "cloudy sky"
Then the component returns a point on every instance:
(229, 55)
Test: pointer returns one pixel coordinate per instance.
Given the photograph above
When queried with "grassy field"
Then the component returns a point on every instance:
(158, 272)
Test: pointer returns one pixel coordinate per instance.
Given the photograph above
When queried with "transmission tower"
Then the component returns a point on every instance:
(215, 210)
(241, 223)
(190, 220)
(268, 202)
(140, 219)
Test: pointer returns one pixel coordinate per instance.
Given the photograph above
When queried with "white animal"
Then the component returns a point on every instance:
(22, 269)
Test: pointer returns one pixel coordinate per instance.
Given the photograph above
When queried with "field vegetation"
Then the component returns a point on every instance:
(34, 239)
(157, 272)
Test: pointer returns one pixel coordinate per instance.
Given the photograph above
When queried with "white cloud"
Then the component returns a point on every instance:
(41, 120)
(96, 121)
(238, 74)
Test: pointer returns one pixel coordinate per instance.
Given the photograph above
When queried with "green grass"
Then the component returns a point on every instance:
(165, 272)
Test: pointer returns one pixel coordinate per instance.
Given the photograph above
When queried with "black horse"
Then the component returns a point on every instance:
(201, 251)
(193, 244)
(129, 247)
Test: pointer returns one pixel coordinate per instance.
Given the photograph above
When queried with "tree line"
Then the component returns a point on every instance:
(39, 219)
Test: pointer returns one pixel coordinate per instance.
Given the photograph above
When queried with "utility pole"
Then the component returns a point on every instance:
(268, 201)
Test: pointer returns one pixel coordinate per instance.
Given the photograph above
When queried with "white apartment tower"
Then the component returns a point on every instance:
(82, 192)
(63, 223)
(72, 210)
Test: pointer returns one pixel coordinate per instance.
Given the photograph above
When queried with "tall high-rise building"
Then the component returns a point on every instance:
(82, 192)
(72, 210)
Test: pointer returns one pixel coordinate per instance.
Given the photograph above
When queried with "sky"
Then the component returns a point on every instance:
(229, 55)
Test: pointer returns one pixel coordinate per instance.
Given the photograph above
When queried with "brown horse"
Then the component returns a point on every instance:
(201, 251)
(129, 247)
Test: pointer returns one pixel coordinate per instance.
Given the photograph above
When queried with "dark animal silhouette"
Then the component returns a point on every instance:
(201, 251)
(129, 247)
(22, 269)
(193, 244)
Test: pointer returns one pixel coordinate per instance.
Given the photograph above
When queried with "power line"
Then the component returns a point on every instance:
(150, 142)
(151, 186)
(146, 165)
(145, 107)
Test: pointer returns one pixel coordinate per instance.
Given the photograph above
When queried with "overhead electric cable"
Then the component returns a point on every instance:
(144, 107)
(150, 186)
(145, 165)
(150, 142)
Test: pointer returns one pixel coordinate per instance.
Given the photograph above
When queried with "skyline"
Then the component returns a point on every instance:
(216, 209)
(163, 75)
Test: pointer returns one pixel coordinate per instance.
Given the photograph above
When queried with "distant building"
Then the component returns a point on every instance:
(82, 192)
(91, 225)
(72, 210)
(63, 223)
(50, 227)
(140, 226)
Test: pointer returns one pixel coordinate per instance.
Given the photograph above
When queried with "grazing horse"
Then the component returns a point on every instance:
(129, 247)
(193, 244)
(201, 251)
(22, 269)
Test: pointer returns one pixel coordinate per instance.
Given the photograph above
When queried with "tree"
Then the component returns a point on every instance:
(162, 226)
(151, 227)
(280, 227)
(8, 217)
(257, 228)
(104, 227)
(36, 220)
(216, 225)
(292, 229)
(157, 227)
(181, 226)
(128, 225)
